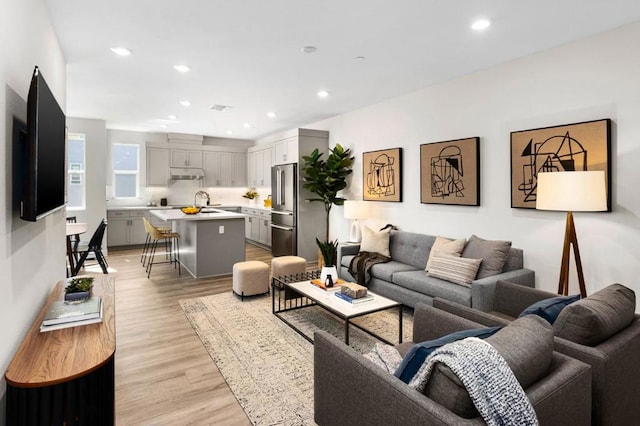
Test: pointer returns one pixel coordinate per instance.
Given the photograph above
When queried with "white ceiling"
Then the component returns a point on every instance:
(247, 54)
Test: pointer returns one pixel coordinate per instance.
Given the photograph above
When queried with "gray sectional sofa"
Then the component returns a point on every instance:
(404, 278)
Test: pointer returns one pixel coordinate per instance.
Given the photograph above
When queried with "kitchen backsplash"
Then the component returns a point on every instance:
(182, 193)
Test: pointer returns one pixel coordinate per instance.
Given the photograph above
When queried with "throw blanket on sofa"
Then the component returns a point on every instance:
(493, 388)
(360, 265)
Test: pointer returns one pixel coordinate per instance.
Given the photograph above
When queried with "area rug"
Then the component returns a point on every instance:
(268, 366)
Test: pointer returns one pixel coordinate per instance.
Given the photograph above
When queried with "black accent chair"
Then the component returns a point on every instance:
(75, 239)
(95, 246)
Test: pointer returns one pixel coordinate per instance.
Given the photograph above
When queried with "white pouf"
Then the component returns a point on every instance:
(250, 278)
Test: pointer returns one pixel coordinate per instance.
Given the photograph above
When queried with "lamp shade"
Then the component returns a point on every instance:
(571, 191)
(356, 209)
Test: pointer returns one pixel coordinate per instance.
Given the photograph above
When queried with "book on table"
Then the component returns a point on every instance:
(62, 313)
(353, 300)
(336, 285)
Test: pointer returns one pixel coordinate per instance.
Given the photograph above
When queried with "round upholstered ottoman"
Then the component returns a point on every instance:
(288, 265)
(250, 278)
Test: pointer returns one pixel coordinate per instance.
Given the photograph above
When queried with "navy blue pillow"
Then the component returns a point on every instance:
(550, 308)
(416, 356)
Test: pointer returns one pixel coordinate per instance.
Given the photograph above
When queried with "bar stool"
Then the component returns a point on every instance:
(155, 235)
(147, 242)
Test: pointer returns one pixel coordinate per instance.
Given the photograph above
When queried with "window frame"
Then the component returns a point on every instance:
(77, 137)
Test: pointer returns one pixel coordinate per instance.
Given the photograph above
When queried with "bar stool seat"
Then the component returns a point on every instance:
(250, 278)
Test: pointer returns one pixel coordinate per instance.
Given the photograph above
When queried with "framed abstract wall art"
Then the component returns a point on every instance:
(450, 172)
(571, 147)
(382, 175)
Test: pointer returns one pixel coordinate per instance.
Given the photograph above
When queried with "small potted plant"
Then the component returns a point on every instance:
(78, 290)
(251, 195)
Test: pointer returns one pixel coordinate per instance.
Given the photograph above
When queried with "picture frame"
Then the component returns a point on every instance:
(569, 147)
(450, 172)
(382, 175)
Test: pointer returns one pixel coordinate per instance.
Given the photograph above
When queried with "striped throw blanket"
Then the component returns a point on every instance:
(493, 388)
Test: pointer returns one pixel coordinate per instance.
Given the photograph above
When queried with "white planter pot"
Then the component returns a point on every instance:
(329, 270)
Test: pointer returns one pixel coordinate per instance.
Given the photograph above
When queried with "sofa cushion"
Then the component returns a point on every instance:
(419, 281)
(411, 248)
(445, 245)
(526, 345)
(459, 270)
(493, 253)
(385, 271)
(375, 241)
(550, 308)
(594, 319)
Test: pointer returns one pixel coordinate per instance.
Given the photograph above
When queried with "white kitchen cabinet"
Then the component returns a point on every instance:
(251, 169)
(226, 169)
(259, 164)
(157, 167)
(125, 227)
(257, 225)
(286, 151)
(186, 158)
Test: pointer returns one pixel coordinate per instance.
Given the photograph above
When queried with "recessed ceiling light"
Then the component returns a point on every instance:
(229, 132)
(181, 68)
(308, 49)
(185, 103)
(122, 51)
(271, 114)
(164, 126)
(172, 117)
(480, 24)
(246, 125)
(323, 93)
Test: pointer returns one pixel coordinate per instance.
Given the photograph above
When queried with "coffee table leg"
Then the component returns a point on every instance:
(400, 322)
(346, 331)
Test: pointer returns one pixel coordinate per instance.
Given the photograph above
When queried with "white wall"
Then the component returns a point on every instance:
(32, 255)
(590, 79)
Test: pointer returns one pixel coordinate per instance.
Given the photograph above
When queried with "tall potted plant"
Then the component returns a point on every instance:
(326, 179)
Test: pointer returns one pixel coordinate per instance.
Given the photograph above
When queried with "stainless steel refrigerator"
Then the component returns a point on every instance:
(284, 210)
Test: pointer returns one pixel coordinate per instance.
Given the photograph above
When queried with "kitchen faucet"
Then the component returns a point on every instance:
(200, 194)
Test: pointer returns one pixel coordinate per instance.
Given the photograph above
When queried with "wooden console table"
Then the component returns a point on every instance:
(65, 376)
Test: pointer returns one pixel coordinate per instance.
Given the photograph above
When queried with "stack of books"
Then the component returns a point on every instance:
(64, 315)
(320, 284)
(353, 293)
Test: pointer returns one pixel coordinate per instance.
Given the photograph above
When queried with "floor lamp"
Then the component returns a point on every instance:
(355, 210)
(571, 192)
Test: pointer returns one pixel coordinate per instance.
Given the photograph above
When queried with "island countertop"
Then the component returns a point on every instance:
(208, 214)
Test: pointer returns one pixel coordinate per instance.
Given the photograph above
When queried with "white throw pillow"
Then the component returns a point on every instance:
(375, 241)
(458, 270)
(445, 245)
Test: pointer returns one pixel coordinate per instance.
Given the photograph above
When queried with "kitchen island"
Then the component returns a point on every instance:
(210, 241)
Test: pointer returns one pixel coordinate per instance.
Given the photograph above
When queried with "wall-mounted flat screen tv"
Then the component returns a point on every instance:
(44, 172)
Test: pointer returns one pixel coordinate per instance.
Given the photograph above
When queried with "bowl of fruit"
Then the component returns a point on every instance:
(190, 210)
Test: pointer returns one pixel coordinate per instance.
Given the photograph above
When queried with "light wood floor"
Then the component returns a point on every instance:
(164, 376)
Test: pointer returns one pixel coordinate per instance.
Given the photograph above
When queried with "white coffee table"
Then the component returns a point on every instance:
(328, 301)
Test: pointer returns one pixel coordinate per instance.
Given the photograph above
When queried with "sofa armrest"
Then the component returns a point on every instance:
(482, 290)
(346, 250)
(563, 397)
(430, 323)
(375, 396)
(471, 314)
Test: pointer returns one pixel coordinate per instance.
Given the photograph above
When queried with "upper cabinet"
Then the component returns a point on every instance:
(186, 158)
(286, 151)
(157, 167)
(225, 168)
(259, 164)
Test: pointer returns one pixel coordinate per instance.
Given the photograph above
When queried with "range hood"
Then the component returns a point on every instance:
(179, 173)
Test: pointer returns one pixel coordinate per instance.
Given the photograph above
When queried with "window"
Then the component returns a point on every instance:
(76, 182)
(126, 170)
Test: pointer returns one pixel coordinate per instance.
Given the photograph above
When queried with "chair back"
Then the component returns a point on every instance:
(71, 219)
(98, 235)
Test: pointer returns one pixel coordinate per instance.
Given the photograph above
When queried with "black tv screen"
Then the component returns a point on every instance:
(44, 186)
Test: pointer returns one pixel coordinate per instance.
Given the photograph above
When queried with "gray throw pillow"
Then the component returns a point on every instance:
(494, 254)
(526, 345)
(594, 319)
